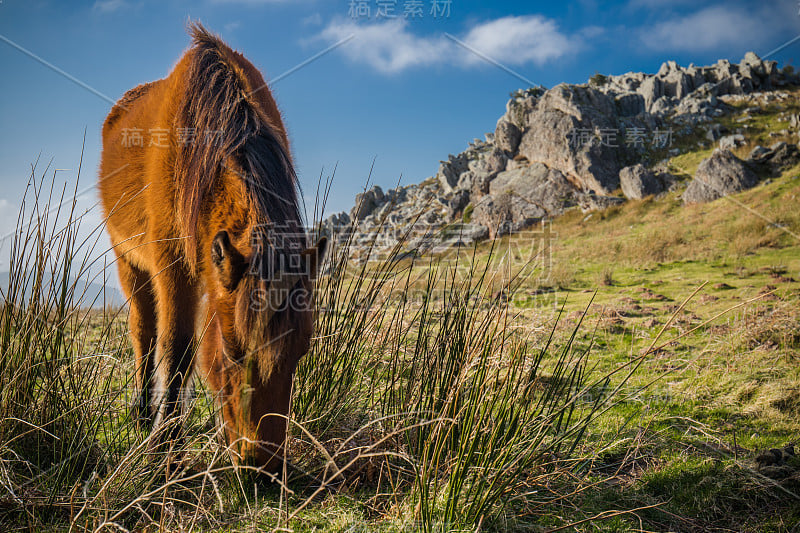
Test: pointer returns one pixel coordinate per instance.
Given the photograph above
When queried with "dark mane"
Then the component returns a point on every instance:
(226, 123)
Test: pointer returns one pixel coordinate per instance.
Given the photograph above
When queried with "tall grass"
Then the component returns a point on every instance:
(60, 419)
(418, 359)
(69, 452)
(423, 395)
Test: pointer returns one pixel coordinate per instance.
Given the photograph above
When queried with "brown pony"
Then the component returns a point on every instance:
(200, 192)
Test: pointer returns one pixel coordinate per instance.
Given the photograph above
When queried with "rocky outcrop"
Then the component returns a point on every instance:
(577, 145)
(720, 175)
(691, 93)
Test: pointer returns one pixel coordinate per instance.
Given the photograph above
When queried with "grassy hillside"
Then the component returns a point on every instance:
(704, 405)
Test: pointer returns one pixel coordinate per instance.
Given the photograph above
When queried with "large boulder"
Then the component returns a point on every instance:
(720, 175)
(520, 197)
(574, 129)
(637, 182)
(677, 83)
(777, 158)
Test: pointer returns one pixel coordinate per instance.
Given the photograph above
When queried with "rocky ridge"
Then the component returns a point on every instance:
(576, 146)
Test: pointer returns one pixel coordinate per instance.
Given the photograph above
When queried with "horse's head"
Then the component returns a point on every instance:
(260, 301)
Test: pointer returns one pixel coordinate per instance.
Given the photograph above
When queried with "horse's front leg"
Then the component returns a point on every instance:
(176, 302)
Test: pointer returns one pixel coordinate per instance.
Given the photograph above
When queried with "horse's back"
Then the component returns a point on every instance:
(122, 105)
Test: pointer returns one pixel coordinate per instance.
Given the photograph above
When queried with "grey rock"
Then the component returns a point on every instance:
(507, 136)
(335, 224)
(630, 104)
(465, 181)
(460, 235)
(759, 153)
(366, 202)
(456, 203)
(519, 109)
(592, 202)
(753, 64)
(451, 170)
(549, 138)
(720, 175)
(469, 232)
(518, 198)
(663, 106)
(782, 156)
(651, 90)
(677, 84)
(637, 182)
(698, 106)
(529, 167)
(731, 141)
(517, 162)
(488, 164)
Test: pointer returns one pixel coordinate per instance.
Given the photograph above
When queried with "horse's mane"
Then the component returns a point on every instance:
(217, 99)
(216, 103)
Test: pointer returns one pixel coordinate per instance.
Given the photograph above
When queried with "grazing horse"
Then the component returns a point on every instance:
(200, 194)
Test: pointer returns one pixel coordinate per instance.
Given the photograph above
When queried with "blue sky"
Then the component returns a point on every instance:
(399, 91)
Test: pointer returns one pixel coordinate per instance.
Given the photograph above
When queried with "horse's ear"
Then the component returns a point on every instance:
(314, 256)
(228, 262)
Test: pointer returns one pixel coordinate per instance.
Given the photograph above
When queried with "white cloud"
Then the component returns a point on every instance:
(717, 28)
(519, 40)
(389, 46)
(109, 6)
